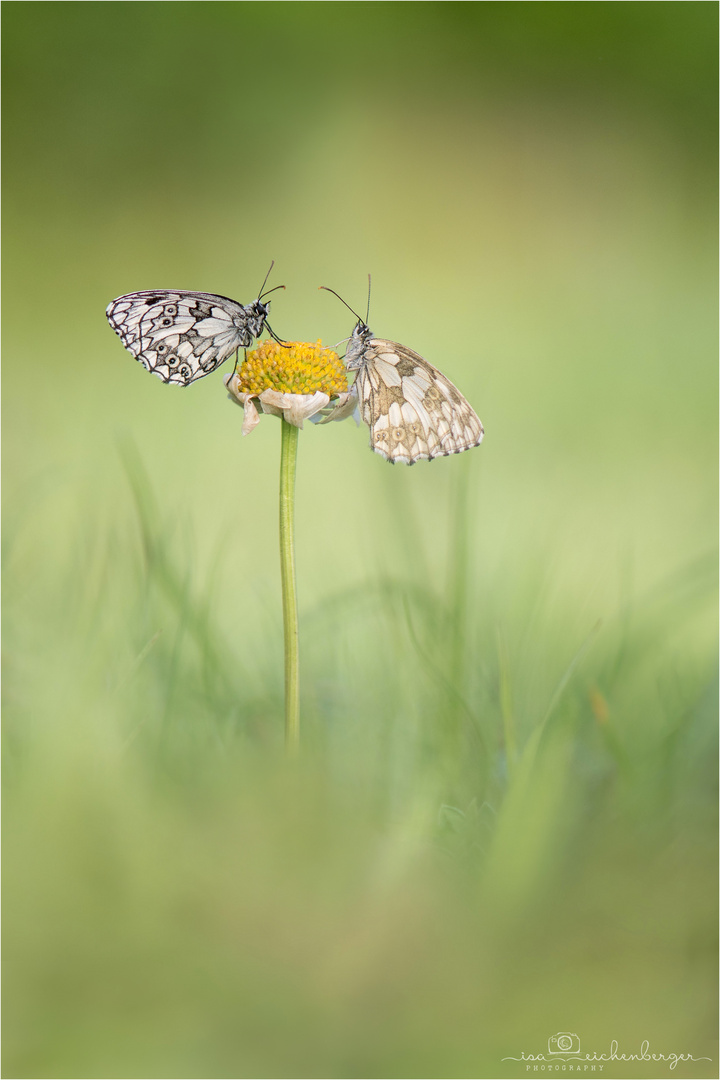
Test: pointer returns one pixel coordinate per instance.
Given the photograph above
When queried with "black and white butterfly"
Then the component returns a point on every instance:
(413, 411)
(182, 336)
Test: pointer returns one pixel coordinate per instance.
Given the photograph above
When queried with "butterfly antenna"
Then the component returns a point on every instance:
(265, 281)
(367, 317)
(274, 289)
(325, 287)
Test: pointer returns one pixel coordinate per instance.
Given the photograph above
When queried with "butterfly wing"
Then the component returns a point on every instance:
(413, 411)
(180, 336)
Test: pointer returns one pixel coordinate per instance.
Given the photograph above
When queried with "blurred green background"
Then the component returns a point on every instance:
(502, 825)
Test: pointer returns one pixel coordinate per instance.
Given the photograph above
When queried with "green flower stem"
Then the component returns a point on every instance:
(288, 462)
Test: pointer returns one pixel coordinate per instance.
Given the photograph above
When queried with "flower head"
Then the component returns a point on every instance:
(297, 381)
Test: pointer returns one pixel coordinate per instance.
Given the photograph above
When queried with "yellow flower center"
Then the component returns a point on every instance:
(295, 368)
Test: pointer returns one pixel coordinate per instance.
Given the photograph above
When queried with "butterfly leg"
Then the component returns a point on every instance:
(237, 353)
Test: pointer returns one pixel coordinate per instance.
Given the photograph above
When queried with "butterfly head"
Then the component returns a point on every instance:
(257, 314)
(360, 335)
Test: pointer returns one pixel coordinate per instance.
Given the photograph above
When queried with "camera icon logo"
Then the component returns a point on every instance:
(564, 1042)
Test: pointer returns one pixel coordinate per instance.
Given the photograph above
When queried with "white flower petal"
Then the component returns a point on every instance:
(343, 406)
(269, 409)
(295, 408)
(273, 398)
(252, 417)
(232, 384)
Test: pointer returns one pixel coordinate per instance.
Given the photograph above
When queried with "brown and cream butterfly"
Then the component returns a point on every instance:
(413, 411)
